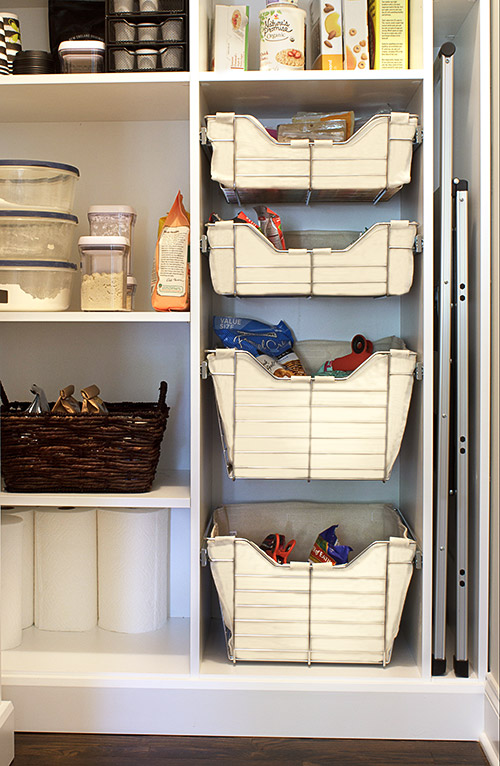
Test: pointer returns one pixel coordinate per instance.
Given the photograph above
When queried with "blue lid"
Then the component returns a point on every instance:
(42, 264)
(41, 164)
(12, 213)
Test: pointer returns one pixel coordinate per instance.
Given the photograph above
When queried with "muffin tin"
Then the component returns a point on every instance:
(146, 35)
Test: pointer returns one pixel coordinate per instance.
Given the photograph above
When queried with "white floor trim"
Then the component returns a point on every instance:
(199, 707)
(489, 738)
(6, 733)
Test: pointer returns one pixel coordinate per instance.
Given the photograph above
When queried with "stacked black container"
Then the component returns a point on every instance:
(146, 35)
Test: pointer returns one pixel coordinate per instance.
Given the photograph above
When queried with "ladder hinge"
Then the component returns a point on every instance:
(419, 371)
(419, 136)
(204, 243)
(418, 245)
(204, 370)
(418, 559)
(203, 136)
(203, 557)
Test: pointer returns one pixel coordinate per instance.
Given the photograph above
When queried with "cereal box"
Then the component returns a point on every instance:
(230, 38)
(388, 20)
(326, 34)
(355, 24)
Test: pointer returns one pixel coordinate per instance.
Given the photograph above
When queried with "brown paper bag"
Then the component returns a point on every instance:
(66, 404)
(92, 404)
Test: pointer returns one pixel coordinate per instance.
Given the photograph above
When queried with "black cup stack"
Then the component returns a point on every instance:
(34, 62)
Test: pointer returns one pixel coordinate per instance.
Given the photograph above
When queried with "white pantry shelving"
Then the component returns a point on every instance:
(170, 490)
(135, 139)
(95, 316)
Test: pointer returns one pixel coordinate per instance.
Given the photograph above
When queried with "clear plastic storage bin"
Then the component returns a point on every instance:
(35, 285)
(131, 291)
(80, 56)
(113, 221)
(37, 185)
(104, 273)
(42, 235)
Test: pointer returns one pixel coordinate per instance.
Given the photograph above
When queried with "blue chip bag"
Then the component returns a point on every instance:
(326, 549)
(253, 336)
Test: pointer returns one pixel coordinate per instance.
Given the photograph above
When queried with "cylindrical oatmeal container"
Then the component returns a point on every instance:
(282, 36)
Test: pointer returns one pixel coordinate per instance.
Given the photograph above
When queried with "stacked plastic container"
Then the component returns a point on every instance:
(36, 235)
(146, 35)
(106, 259)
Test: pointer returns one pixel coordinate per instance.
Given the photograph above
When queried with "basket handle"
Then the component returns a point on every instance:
(3, 396)
(162, 397)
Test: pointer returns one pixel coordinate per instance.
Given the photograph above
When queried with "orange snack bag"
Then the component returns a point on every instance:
(170, 277)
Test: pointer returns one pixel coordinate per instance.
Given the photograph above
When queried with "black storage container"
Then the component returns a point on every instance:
(146, 35)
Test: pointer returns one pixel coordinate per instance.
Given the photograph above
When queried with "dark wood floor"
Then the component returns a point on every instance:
(119, 750)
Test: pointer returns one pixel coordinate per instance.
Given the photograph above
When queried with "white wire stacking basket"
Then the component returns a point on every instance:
(243, 262)
(310, 612)
(307, 427)
(252, 166)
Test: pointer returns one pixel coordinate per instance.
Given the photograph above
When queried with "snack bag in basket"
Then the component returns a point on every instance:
(39, 405)
(270, 226)
(92, 404)
(271, 344)
(170, 277)
(66, 404)
(326, 549)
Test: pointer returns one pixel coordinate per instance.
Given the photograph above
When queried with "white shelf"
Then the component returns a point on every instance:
(95, 97)
(216, 663)
(312, 75)
(99, 652)
(95, 316)
(170, 490)
(268, 93)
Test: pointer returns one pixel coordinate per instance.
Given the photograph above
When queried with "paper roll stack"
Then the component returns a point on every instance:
(133, 569)
(11, 633)
(65, 569)
(27, 514)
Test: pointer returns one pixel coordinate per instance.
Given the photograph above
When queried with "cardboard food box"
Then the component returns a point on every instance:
(230, 38)
(388, 20)
(355, 24)
(326, 34)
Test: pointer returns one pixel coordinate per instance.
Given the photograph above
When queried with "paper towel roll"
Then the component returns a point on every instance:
(27, 514)
(65, 569)
(12, 575)
(132, 549)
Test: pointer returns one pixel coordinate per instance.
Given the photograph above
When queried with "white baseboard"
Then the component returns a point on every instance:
(416, 710)
(6, 733)
(489, 738)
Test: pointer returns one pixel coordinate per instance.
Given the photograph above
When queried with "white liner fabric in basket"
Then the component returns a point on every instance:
(374, 162)
(244, 262)
(305, 612)
(312, 427)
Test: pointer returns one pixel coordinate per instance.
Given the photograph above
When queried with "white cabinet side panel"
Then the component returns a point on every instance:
(472, 162)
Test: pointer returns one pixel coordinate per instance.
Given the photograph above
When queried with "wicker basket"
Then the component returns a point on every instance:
(117, 452)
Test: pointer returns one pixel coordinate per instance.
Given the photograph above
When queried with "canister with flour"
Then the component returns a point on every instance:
(282, 36)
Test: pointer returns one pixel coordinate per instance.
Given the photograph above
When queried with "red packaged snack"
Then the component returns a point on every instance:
(361, 350)
(270, 226)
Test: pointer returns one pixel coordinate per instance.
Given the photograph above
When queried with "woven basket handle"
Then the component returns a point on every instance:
(3, 396)
(162, 397)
